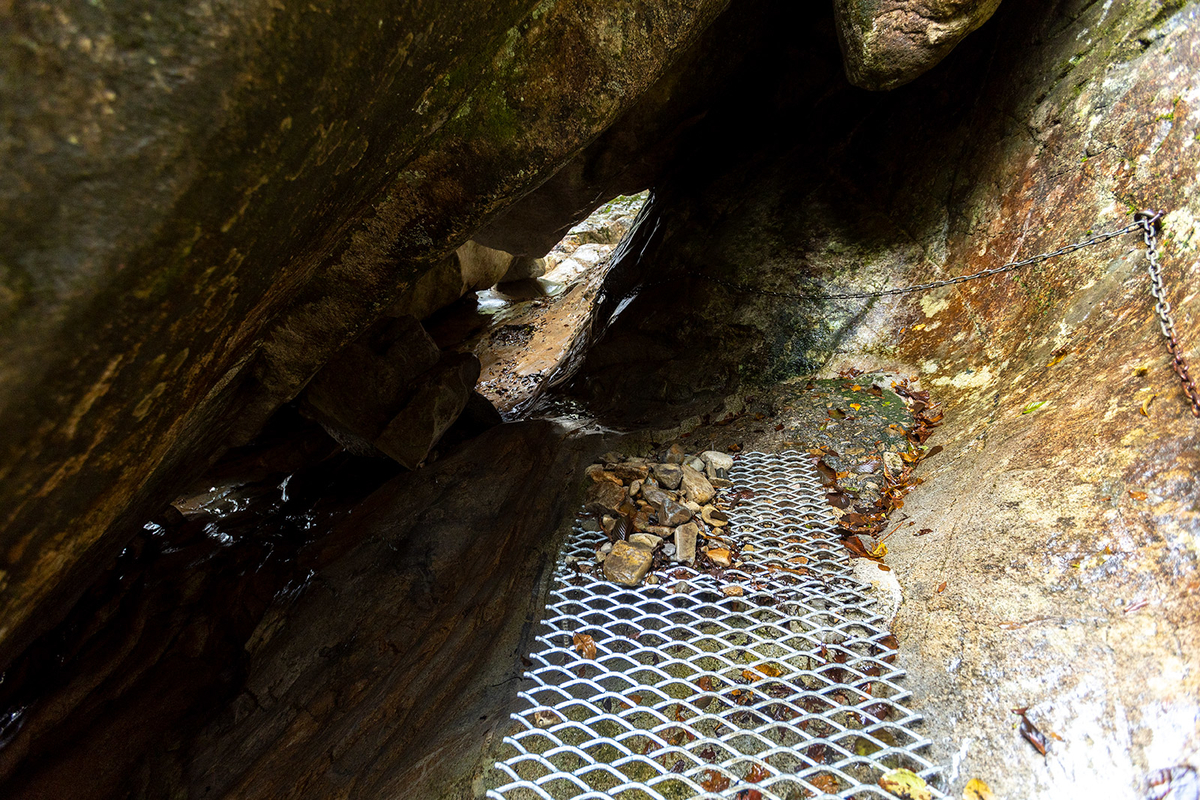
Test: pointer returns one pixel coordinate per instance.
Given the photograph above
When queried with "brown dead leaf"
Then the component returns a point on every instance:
(758, 773)
(941, 587)
(1137, 495)
(825, 783)
(714, 781)
(585, 645)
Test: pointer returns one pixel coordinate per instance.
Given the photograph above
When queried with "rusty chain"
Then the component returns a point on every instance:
(1150, 222)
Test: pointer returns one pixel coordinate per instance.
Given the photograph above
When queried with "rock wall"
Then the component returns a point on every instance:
(207, 201)
(1063, 504)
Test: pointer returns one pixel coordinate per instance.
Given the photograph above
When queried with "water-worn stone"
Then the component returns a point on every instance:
(696, 486)
(604, 497)
(716, 464)
(627, 564)
(714, 516)
(685, 542)
(668, 475)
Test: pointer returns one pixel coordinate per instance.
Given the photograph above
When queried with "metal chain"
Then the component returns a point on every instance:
(921, 287)
(1149, 222)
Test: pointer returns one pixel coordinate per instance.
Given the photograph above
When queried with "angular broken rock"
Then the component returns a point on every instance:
(604, 497)
(696, 486)
(668, 475)
(716, 465)
(630, 471)
(627, 564)
(720, 556)
(674, 454)
(646, 540)
(685, 542)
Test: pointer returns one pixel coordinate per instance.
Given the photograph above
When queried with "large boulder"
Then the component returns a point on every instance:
(202, 205)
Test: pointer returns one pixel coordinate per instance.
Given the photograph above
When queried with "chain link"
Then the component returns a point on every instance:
(1149, 222)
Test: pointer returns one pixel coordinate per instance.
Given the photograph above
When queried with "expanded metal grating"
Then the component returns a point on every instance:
(695, 691)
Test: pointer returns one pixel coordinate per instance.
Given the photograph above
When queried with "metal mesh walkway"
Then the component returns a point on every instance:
(776, 676)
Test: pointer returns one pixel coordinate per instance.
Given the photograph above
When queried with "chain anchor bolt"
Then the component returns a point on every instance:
(1151, 218)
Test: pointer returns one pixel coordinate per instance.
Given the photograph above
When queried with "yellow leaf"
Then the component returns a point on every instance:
(978, 790)
(907, 784)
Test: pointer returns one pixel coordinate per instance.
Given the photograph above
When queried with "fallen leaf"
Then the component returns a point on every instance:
(1137, 495)
(751, 676)
(770, 670)
(1146, 405)
(585, 645)
(1030, 731)
(856, 388)
(825, 783)
(1032, 407)
(941, 587)
(705, 683)
(856, 406)
(933, 451)
(714, 781)
(977, 790)
(836, 413)
(758, 773)
(923, 531)
(545, 718)
(907, 784)
(748, 794)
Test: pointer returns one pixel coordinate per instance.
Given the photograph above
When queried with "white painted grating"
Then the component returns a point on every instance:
(788, 689)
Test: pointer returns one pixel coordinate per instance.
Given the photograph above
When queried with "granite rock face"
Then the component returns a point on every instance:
(887, 43)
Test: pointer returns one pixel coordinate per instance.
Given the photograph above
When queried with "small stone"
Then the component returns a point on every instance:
(717, 465)
(685, 542)
(606, 547)
(630, 472)
(674, 454)
(893, 462)
(591, 524)
(668, 475)
(627, 564)
(634, 488)
(647, 540)
(696, 486)
(732, 591)
(719, 556)
(714, 516)
(597, 473)
(641, 520)
(604, 496)
(662, 531)
(693, 505)
(694, 463)
(672, 513)
(600, 556)
(668, 549)
(607, 523)
(652, 580)
(720, 483)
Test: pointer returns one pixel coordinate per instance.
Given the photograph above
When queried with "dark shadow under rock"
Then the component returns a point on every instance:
(386, 674)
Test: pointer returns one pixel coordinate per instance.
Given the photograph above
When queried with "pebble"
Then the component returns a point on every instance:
(629, 472)
(647, 540)
(607, 523)
(685, 542)
(627, 564)
(893, 462)
(668, 549)
(717, 465)
(719, 556)
(668, 475)
(696, 486)
(634, 488)
(694, 463)
(714, 516)
(674, 454)
(604, 496)
(606, 547)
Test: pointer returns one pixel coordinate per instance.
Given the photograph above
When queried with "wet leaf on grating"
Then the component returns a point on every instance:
(751, 675)
(714, 781)
(757, 774)
(748, 794)
(907, 784)
(977, 790)
(1030, 731)
(825, 783)
(585, 645)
